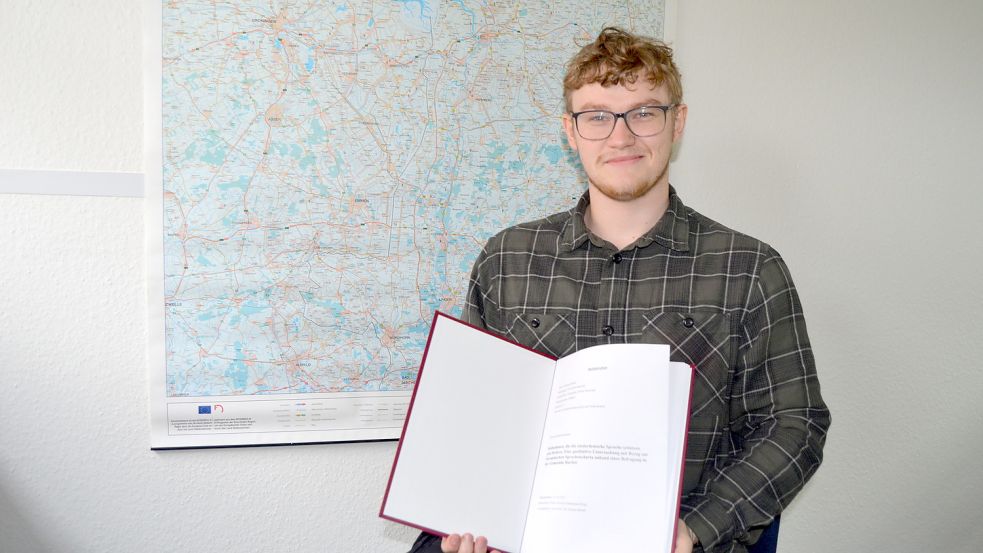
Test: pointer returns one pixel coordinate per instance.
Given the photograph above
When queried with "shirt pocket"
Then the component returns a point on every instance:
(547, 333)
(702, 442)
(703, 339)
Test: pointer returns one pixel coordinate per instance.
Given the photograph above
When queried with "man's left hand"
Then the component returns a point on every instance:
(685, 538)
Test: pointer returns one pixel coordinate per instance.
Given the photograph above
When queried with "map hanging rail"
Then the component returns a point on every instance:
(71, 183)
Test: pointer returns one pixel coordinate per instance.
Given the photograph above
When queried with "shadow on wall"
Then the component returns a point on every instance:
(15, 533)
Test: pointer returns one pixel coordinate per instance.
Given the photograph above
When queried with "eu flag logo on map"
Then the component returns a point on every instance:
(204, 409)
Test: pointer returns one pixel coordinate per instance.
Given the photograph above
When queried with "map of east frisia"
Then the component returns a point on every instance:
(332, 169)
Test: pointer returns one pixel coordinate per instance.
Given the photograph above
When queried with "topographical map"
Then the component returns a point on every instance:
(328, 173)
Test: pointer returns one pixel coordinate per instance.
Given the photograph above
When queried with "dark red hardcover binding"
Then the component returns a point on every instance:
(682, 459)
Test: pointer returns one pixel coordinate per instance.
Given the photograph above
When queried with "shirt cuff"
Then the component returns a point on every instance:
(712, 523)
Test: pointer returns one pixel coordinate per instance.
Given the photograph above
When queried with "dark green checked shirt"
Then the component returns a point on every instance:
(723, 301)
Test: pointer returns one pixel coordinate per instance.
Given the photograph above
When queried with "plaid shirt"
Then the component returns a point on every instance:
(723, 301)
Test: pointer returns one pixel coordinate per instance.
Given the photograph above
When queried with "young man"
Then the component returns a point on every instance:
(631, 263)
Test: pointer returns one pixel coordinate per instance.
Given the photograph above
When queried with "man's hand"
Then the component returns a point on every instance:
(455, 543)
(685, 538)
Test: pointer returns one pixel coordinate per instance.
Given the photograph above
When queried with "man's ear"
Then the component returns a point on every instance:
(679, 122)
(569, 130)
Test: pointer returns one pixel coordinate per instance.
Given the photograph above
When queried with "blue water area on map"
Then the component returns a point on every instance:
(495, 162)
(334, 306)
(335, 170)
(206, 315)
(237, 371)
(215, 149)
(231, 220)
(317, 135)
(554, 153)
(341, 9)
(425, 10)
(320, 186)
(288, 150)
(307, 161)
(214, 157)
(252, 308)
(311, 54)
(203, 261)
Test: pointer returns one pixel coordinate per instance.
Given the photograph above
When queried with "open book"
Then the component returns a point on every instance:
(581, 454)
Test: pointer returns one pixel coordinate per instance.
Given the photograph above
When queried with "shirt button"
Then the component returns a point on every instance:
(534, 323)
(688, 322)
(608, 330)
(616, 258)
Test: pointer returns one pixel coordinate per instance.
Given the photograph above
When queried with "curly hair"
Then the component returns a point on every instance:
(618, 57)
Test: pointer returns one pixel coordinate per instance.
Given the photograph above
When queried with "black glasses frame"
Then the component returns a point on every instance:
(665, 117)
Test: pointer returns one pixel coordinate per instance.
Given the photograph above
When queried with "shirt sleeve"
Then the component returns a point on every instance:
(778, 420)
(478, 288)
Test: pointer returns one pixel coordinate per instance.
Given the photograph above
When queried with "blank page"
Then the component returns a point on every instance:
(468, 455)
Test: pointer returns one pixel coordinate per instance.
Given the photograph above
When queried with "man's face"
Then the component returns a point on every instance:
(623, 166)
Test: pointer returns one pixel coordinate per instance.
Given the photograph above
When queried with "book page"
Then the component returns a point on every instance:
(468, 455)
(601, 481)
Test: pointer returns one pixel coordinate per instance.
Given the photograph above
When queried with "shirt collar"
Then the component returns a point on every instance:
(672, 230)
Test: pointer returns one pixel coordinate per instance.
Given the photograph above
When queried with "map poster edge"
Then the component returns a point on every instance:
(280, 419)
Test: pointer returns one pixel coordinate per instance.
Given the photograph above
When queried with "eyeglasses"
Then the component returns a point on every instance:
(598, 124)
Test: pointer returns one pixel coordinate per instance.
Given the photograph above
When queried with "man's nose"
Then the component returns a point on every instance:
(621, 133)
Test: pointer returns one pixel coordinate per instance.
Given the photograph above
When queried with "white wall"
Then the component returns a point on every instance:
(847, 134)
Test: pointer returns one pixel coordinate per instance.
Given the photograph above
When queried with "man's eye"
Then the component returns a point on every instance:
(598, 117)
(643, 115)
